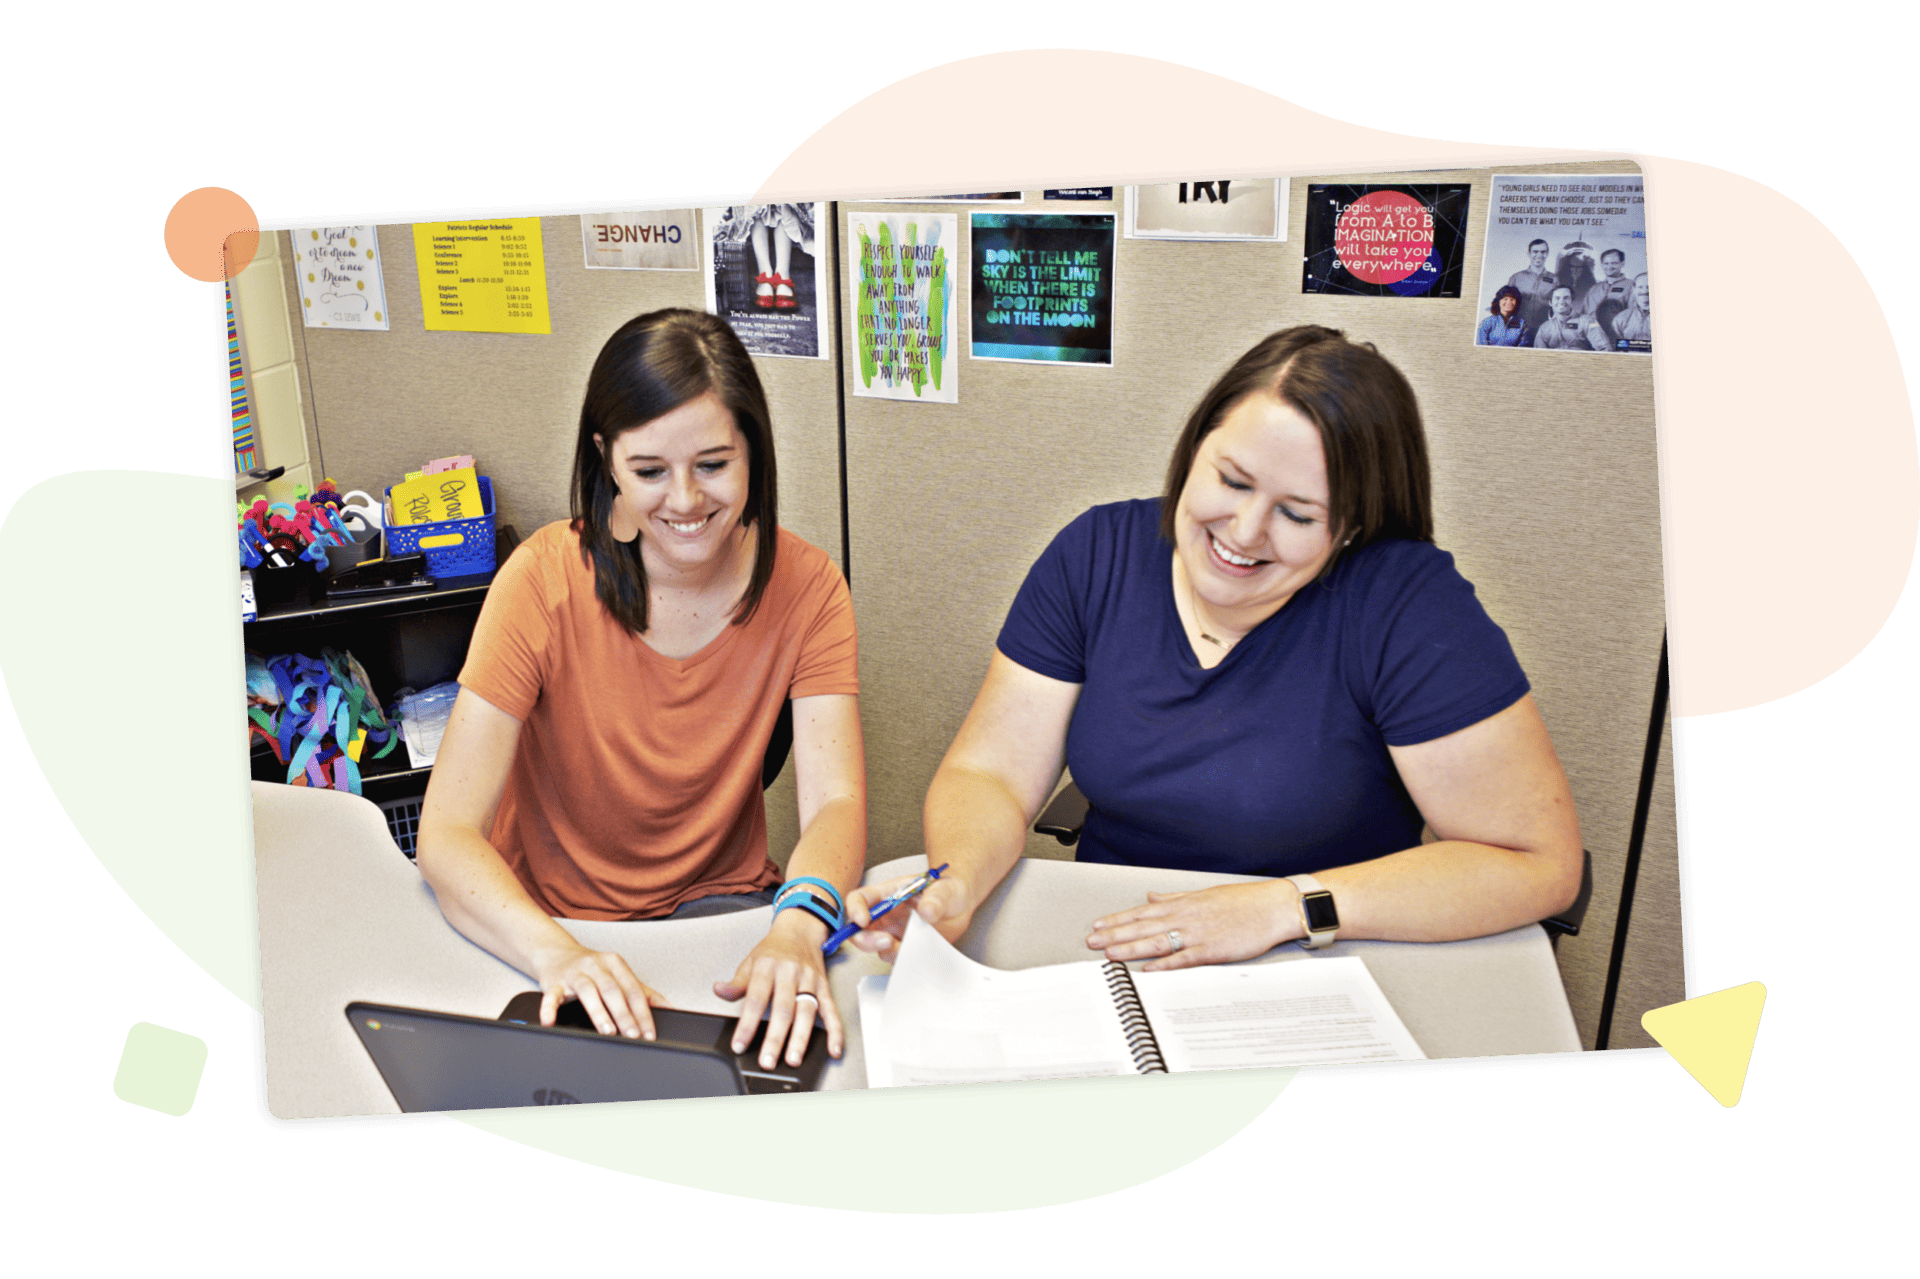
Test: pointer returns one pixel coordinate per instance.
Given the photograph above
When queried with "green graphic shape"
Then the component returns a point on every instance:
(125, 672)
(178, 837)
(979, 1148)
(160, 1068)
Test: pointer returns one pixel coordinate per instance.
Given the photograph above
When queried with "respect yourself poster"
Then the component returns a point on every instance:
(905, 280)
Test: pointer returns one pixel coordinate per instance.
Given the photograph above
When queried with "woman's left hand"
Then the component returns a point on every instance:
(1207, 926)
(785, 976)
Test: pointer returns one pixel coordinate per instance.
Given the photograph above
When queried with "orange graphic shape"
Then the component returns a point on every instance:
(212, 234)
(1756, 613)
(1712, 1036)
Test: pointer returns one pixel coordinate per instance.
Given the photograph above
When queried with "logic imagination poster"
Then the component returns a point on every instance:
(904, 281)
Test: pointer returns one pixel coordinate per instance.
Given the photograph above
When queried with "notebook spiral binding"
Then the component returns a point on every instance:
(1133, 1020)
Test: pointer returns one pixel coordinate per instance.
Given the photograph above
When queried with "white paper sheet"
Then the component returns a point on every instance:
(1295, 1013)
(949, 1020)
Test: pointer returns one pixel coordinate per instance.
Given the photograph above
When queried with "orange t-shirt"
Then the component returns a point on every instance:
(636, 783)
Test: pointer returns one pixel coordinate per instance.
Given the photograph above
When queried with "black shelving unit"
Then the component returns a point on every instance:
(413, 641)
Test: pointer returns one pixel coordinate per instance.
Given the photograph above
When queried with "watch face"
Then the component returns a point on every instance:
(1320, 912)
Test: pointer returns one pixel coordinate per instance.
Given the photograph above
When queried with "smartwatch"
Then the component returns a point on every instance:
(1318, 918)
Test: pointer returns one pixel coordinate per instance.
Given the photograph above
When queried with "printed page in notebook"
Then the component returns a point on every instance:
(1292, 1013)
(950, 1020)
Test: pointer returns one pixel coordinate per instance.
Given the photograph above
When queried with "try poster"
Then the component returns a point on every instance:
(1042, 287)
(763, 278)
(1222, 209)
(1565, 267)
(1377, 240)
(904, 283)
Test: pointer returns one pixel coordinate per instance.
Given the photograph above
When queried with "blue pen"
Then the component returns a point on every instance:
(911, 891)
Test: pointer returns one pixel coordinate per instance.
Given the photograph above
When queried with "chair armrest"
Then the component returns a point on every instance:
(1567, 922)
(1064, 815)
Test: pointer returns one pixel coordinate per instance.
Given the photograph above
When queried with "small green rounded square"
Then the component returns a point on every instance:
(160, 1068)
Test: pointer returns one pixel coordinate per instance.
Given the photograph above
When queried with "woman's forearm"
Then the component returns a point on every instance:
(481, 898)
(977, 826)
(1450, 890)
(833, 846)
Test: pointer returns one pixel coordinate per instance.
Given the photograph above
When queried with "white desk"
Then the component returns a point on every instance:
(344, 916)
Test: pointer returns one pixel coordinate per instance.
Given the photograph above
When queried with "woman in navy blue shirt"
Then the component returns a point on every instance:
(1269, 670)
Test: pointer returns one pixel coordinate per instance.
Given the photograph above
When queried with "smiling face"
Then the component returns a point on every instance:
(1508, 303)
(681, 486)
(1561, 302)
(1613, 261)
(1536, 256)
(1251, 527)
(1641, 298)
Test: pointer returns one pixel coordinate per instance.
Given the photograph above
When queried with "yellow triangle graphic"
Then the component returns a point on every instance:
(1712, 1036)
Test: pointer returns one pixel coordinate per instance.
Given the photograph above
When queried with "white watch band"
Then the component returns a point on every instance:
(1310, 939)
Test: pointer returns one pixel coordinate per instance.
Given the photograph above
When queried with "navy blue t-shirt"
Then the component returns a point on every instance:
(1275, 761)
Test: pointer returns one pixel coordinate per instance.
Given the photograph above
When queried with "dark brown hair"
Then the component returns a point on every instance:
(652, 365)
(1378, 482)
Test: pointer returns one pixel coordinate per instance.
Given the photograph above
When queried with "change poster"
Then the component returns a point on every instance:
(904, 284)
(482, 276)
(1386, 241)
(1042, 287)
(656, 240)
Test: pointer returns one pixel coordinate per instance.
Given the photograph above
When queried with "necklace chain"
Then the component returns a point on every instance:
(1193, 608)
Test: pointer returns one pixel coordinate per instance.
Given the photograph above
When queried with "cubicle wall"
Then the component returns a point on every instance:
(1544, 478)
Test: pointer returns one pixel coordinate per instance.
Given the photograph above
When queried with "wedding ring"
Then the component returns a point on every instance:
(807, 994)
(1173, 941)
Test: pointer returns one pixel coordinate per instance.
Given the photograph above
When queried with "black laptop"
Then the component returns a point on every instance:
(440, 1061)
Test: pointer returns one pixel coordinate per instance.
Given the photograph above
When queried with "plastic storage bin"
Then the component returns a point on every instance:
(454, 548)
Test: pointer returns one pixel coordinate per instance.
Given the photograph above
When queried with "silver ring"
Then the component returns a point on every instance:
(807, 994)
(1174, 944)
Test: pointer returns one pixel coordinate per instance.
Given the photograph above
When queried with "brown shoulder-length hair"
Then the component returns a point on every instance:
(1378, 480)
(653, 364)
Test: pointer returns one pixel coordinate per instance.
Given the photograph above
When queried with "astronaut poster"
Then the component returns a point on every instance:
(1565, 266)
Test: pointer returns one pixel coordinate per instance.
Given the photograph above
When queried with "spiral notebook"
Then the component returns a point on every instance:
(942, 1018)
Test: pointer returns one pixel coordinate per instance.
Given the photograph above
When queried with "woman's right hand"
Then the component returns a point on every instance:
(614, 998)
(946, 904)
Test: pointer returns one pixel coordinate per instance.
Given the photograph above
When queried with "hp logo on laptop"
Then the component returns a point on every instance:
(553, 1097)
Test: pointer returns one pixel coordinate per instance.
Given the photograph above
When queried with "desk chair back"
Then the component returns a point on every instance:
(1066, 813)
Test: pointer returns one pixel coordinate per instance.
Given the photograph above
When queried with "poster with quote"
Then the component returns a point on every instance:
(976, 197)
(1042, 287)
(904, 286)
(1216, 209)
(763, 277)
(1376, 240)
(339, 276)
(654, 240)
(482, 276)
(1565, 264)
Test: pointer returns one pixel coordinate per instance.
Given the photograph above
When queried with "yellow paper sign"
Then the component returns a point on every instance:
(432, 499)
(483, 276)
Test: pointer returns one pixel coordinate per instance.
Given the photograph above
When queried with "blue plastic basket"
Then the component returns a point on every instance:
(454, 548)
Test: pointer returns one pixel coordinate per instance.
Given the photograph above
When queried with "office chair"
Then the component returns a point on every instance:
(778, 745)
(1066, 813)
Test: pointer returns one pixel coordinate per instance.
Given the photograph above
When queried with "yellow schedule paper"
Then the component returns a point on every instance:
(486, 276)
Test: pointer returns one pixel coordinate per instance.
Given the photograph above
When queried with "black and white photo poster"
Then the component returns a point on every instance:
(1565, 266)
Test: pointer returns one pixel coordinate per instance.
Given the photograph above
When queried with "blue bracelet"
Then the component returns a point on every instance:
(839, 906)
(806, 901)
